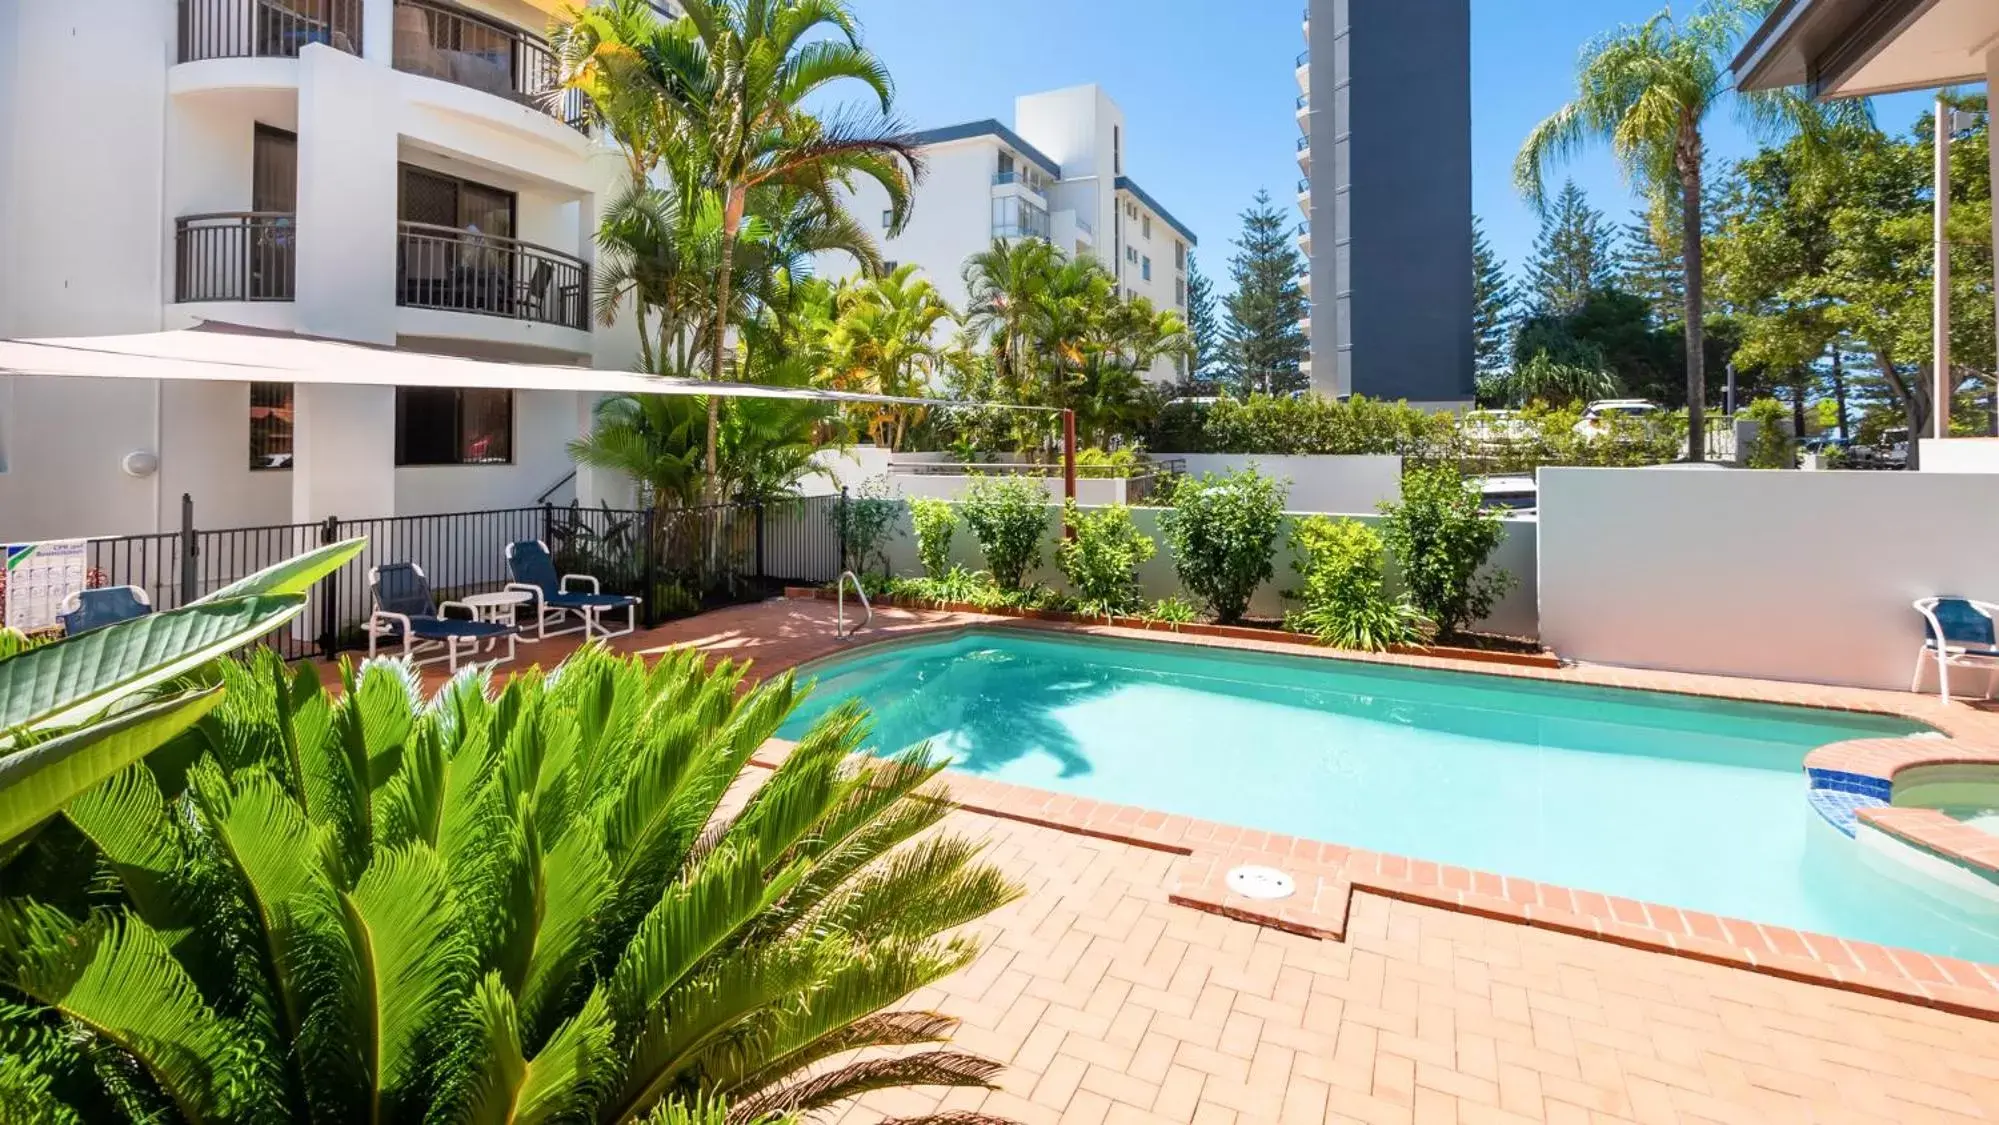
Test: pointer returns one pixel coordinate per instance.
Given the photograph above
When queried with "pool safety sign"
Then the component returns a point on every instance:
(39, 577)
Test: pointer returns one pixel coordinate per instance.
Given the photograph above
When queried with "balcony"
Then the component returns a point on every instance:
(1305, 155)
(453, 270)
(273, 29)
(452, 45)
(235, 256)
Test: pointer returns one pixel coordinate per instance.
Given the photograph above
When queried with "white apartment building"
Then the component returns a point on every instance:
(1058, 173)
(377, 171)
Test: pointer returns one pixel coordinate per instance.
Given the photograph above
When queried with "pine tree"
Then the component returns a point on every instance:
(1204, 325)
(1650, 264)
(1572, 255)
(1264, 341)
(1492, 304)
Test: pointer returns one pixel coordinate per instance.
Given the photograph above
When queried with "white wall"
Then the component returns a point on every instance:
(1090, 491)
(1317, 484)
(1515, 614)
(1960, 455)
(66, 439)
(1789, 576)
(951, 219)
(850, 468)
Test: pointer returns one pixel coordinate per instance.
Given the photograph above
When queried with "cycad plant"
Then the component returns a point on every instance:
(563, 902)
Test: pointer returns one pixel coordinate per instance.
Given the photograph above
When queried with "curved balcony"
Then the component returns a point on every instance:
(266, 29)
(235, 256)
(453, 45)
(453, 270)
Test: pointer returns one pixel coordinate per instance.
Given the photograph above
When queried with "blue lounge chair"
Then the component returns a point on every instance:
(107, 605)
(1956, 631)
(534, 574)
(405, 611)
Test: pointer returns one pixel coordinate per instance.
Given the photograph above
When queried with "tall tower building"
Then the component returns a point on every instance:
(1385, 116)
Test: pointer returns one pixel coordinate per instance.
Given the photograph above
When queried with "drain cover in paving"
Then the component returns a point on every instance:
(1259, 882)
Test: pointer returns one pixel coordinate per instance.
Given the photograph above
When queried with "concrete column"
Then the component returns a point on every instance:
(378, 31)
(346, 196)
(343, 452)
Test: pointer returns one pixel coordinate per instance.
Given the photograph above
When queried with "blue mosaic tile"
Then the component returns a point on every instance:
(1844, 782)
(1841, 808)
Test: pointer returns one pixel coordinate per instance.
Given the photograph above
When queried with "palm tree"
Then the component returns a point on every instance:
(1002, 284)
(738, 79)
(883, 341)
(1647, 91)
(542, 906)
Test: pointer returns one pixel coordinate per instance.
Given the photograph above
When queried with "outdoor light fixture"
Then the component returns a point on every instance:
(141, 463)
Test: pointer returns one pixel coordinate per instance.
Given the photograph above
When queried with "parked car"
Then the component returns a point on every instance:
(1518, 495)
(1597, 414)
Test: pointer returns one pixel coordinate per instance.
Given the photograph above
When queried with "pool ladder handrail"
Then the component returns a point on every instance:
(840, 627)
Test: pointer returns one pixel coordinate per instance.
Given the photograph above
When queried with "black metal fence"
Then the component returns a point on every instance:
(235, 256)
(240, 29)
(459, 271)
(680, 561)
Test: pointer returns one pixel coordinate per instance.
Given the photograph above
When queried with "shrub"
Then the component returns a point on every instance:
(934, 522)
(1173, 610)
(363, 906)
(1442, 538)
(1102, 560)
(1009, 518)
(1222, 530)
(864, 520)
(1346, 605)
(1771, 447)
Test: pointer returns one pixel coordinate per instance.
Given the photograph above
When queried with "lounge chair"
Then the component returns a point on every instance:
(534, 574)
(106, 605)
(1956, 631)
(406, 611)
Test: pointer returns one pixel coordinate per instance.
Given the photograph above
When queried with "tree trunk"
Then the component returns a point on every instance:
(732, 218)
(1798, 410)
(1839, 391)
(1690, 249)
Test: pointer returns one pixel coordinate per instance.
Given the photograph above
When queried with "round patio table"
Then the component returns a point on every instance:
(501, 606)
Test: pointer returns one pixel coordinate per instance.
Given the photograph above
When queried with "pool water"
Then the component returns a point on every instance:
(1662, 798)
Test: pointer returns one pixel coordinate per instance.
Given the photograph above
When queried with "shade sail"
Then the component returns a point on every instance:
(232, 353)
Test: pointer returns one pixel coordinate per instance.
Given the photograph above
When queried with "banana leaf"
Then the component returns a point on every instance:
(37, 780)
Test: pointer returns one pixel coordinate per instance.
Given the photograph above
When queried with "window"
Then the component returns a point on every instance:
(891, 265)
(1130, 294)
(454, 426)
(440, 200)
(1180, 291)
(1179, 255)
(1131, 253)
(1015, 216)
(1145, 268)
(1117, 150)
(270, 426)
(1148, 227)
(888, 221)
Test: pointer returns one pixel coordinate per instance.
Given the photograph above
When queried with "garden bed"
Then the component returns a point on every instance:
(1493, 649)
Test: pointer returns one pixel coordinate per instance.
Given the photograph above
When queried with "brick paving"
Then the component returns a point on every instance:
(1111, 1004)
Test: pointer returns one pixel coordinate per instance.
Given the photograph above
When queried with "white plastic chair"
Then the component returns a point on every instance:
(1956, 631)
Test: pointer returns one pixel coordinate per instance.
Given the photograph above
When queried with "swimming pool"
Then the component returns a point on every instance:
(1663, 798)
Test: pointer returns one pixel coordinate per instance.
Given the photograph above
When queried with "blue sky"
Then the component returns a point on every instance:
(1209, 93)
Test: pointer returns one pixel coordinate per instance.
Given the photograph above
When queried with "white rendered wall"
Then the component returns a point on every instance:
(1737, 572)
(1960, 455)
(1354, 484)
(350, 430)
(65, 440)
(951, 219)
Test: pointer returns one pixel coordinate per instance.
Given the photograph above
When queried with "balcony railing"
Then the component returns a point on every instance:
(1085, 226)
(242, 29)
(1304, 186)
(463, 271)
(1001, 179)
(235, 256)
(453, 45)
(1305, 56)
